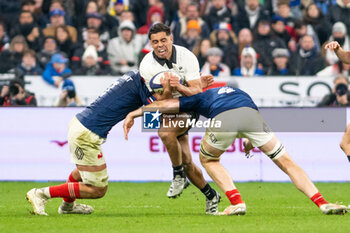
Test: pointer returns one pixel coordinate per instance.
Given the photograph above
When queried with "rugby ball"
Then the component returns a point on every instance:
(155, 83)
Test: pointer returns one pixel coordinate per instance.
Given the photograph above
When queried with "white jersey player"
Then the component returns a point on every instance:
(166, 56)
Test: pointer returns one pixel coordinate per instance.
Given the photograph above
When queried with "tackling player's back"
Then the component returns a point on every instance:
(214, 101)
(125, 95)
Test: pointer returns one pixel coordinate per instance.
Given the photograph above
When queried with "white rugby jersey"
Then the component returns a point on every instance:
(182, 61)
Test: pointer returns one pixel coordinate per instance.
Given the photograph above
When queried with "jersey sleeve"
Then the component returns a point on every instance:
(192, 66)
(146, 96)
(189, 103)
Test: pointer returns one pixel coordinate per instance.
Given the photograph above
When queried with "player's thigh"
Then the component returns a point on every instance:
(84, 145)
(253, 127)
(214, 144)
(218, 139)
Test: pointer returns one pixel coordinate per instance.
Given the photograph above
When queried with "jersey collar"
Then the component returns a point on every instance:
(163, 61)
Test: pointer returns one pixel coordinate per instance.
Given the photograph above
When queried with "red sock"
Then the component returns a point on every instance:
(318, 199)
(70, 179)
(67, 190)
(234, 196)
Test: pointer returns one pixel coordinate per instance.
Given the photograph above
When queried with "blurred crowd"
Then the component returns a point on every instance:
(59, 38)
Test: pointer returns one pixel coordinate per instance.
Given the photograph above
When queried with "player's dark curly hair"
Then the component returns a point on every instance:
(159, 27)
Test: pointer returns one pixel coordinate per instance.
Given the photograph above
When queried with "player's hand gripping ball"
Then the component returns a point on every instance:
(156, 84)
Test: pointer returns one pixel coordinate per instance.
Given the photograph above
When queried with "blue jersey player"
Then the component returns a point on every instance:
(87, 131)
(238, 117)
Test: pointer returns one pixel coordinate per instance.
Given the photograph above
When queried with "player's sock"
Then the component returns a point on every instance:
(179, 170)
(70, 179)
(318, 199)
(208, 191)
(234, 196)
(67, 190)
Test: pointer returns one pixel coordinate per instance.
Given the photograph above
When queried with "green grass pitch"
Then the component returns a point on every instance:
(144, 207)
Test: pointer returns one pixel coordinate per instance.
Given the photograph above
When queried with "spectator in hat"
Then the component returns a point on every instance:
(278, 27)
(65, 5)
(123, 51)
(68, 97)
(218, 13)
(224, 38)
(57, 19)
(192, 13)
(318, 21)
(265, 42)
(125, 15)
(192, 36)
(248, 64)
(56, 70)
(280, 66)
(12, 57)
(249, 17)
(213, 65)
(49, 49)
(29, 65)
(15, 95)
(93, 38)
(154, 15)
(90, 65)
(340, 35)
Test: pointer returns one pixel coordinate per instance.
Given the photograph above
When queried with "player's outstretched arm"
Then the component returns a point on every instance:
(194, 87)
(343, 55)
(164, 106)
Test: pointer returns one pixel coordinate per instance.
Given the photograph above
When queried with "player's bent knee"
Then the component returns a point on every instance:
(97, 179)
(101, 192)
(167, 136)
(205, 156)
(277, 151)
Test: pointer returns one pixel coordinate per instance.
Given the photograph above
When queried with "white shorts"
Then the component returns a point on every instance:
(241, 122)
(84, 145)
(98, 179)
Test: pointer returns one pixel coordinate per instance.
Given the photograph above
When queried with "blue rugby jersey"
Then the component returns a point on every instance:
(124, 96)
(217, 100)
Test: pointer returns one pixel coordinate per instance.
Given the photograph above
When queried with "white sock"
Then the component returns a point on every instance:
(46, 192)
